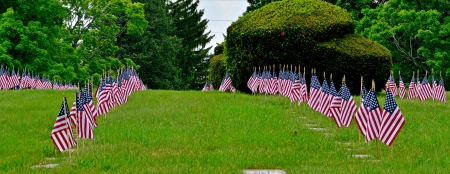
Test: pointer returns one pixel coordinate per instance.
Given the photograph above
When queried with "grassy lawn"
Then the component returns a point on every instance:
(161, 131)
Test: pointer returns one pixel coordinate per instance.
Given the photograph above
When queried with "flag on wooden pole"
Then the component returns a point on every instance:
(393, 120)
(62, 133)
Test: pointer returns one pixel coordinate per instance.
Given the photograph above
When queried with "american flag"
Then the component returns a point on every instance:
(206, 87)
(374, 119)
(280, 81)
(23, 80)
(226, 82)
(256, 82)
(418, 87)
(87, 107)
(362, 114)
(412, 89)
(117, 92)
(348, 106)
(314, 91)
(62, 133)
(250, 80)
(85, 124)
(440, 91)
(73, 111)
(211, 87)
(14, 78)
(102, 102)
(304, 90)
(336, 103)
(433, 90)
(4, 79)
(295, 89)
(390, 84)
(324, 98)
(393, 120)
(274, 83)
(402, 87)
(425, 89)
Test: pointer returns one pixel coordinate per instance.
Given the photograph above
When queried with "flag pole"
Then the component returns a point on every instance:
(67, 124)
(373, 88)
(299, 79)
(326, 111)
(77, 95)
(360, 101)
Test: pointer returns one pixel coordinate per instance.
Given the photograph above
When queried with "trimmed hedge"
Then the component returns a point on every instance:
(312, 33)
(217, 70)
(353, 56)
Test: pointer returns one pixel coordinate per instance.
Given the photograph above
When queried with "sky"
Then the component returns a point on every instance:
(221, 13)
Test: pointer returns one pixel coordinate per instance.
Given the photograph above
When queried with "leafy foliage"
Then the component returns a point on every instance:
(299, 32)
(256, 4)
(66, 40)
(417, 33)
(353, 56)
(217, 69)
(155, 51)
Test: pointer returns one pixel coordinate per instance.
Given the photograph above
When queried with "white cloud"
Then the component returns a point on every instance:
(221, 13)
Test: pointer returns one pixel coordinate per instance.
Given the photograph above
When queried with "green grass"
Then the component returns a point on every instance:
(214, 132)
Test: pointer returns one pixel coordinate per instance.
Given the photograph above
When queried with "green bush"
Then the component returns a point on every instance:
(312, 33)
(217, 69)
(353, 56)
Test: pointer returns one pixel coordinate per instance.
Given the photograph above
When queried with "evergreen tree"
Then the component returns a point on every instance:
(192, 59)
(155, 51)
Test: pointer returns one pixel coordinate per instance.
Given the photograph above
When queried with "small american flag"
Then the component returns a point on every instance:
(314, 91)
(433, 90)
(226, 82)
(412, 89)
(211, 87)
(85, 124)
(362, 114)
(335, 105)
(295, 88)
(62, 133)
(348, 106)
(425, 90)
(393, 120)
(374, 119)
(206, 87)
(402, 87)
(324, 98)
(440, 91)
(304, 90)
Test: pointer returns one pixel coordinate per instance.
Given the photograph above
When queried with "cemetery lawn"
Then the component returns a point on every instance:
(160, 131)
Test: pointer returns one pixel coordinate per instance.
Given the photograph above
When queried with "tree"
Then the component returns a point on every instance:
(93, 28)
(155, 51)
(30, 37)
(191, 28)
(312, 33)
(66, 39)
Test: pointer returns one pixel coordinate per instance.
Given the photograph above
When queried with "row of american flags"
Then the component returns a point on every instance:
(418, 89)
(225, 85)
(13, 80)
(372, 121)
(83, 113)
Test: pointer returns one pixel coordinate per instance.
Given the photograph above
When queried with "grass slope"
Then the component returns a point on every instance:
(215, 132)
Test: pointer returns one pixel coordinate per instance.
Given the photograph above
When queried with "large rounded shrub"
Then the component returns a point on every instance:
(312, 33)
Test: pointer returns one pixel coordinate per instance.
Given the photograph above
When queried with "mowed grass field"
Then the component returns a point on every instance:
(161, 131)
